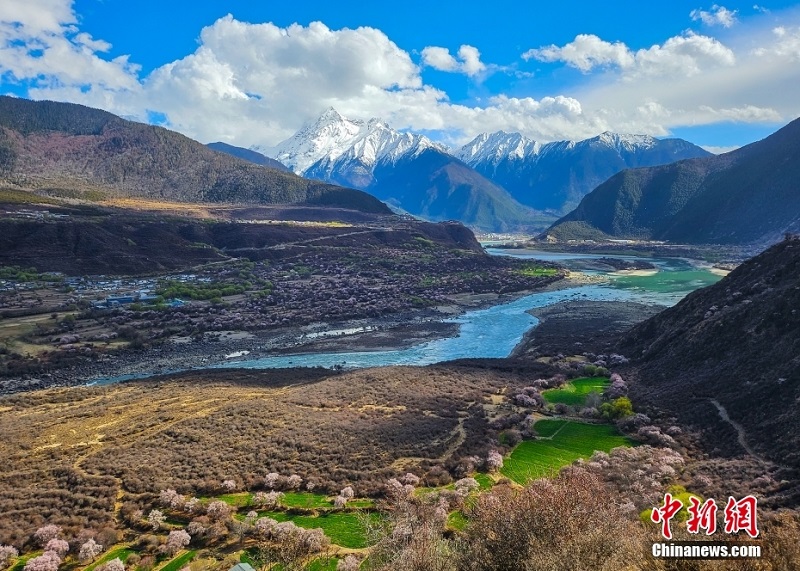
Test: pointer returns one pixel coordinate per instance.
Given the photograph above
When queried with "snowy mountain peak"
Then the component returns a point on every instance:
(495, 147)
(623, 142)
(333, 138)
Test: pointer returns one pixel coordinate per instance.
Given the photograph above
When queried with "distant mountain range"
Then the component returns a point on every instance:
(751, 195)
(499, 181)
(556, 176)
(406, 170)
(73, 149)
(248, 155)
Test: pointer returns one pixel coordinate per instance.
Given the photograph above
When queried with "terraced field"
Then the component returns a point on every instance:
(561, 442)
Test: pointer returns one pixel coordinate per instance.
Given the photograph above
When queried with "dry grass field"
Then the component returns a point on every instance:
(72, 456)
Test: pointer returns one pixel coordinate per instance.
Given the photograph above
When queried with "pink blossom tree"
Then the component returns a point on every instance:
(89, 550)
(171, 499)
(47, 561)
(113, 565)
(177, 540)
(7, 553)
(272, 480)
(349, 563)
(218, 510)
(46, 533)
(156, 518)
(58, 546)
(494, 461)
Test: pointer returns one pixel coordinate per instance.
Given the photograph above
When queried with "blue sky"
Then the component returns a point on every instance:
(252, 73)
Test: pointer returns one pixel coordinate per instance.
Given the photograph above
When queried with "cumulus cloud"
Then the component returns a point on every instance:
(717, 16)
(585, 52)
(687, 54)
(40, 44)
(256, 84)
(468, 62)
(786, 45)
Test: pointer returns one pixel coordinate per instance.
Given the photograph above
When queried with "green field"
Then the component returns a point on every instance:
(575, 392)
(305, 500)
(572, 440)
(179, 561)
(484, 481)
(323, 564)
(537, 271)
(457, 521)
(345, 529)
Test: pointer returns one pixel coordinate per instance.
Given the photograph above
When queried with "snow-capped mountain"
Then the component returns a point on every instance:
(406, 170)
(346, 151)
(556, 176)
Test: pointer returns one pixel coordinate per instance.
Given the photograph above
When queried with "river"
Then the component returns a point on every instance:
(495, 331)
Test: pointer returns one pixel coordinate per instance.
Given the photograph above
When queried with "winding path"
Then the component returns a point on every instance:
(741, 435)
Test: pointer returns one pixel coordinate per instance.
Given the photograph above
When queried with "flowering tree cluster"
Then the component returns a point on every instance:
(268, 499)
(7, 553)
(47, 561)
(113, 565)
(177, 540)
(617, 388)
(55, 549)
(218, 510)
(349, 563)
(465, 486)
(89, 550)
(156, 518)
(396, 490)
(171, 499)
(494, 461)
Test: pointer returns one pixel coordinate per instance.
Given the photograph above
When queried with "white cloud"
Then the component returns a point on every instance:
(256, 84)
(761, 9)
(39, 43)
(717, 16)
(585, 52)
(439, 58)
(687, 54)
(785, 45)
(471, 58)
(468, 62)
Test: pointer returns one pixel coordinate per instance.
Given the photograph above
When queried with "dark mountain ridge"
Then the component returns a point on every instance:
(439, 187)
(45, 144)
(737, 343)
(751, 195)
